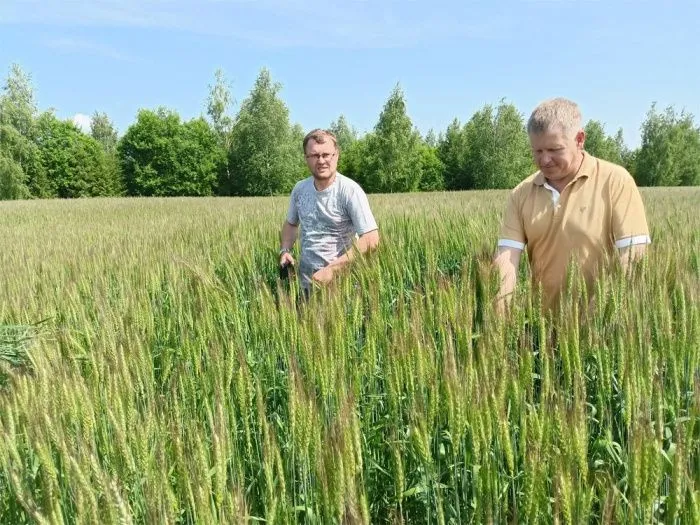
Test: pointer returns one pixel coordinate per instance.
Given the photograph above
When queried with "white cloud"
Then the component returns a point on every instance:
(75, 45)
(275, 23)
(82, 121)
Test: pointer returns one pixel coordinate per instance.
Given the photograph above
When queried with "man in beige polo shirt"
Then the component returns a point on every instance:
(576, 208)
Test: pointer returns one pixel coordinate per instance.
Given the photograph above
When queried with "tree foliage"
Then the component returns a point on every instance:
(432, 169)
(102, 130)
(265, 156)
(75, 163)
(161, 156)
(670, 151)
(22, 172)
(258, 150)
(391, 160)
(602, 146)
(452, 151)
(12, 179)
(345, 134)
(219, 103)
(497, 148)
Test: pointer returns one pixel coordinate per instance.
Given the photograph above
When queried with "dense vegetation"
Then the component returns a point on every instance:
(257, 151)
(174, 379)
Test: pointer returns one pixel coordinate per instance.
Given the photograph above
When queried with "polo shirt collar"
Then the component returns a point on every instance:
(587, 166)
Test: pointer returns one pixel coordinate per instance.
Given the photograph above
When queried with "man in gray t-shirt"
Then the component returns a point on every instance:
(333, 212)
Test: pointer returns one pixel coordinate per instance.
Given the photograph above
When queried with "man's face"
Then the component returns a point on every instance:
(322, 159)
(556, 154)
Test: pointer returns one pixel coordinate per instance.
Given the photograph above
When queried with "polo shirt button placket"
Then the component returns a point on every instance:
(557, 205)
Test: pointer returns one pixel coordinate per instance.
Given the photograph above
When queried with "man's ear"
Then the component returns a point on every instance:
(580, 138)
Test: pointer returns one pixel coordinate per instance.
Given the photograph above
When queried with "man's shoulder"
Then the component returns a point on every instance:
(346, 183)
(608, 169)
(524, 186)
(347, 187)
(303, 185)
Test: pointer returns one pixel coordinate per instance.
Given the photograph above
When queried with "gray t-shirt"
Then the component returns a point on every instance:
(329, 220)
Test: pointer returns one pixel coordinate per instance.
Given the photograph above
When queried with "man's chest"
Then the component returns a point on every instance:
(323, 210)
(574, 219)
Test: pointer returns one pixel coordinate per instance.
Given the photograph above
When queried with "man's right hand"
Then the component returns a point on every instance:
(286, 259)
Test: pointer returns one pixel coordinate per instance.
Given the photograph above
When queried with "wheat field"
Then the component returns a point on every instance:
(154, 369)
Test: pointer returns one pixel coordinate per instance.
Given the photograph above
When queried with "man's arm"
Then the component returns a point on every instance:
(290, 229)
(363, 221)
(506, 261)
(287, 238)
(367, 242)
(631, 254)
(629, 223)
(511, 243)
(289, 235)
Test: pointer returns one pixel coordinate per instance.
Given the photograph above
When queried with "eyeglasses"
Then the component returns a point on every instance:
(321, 156)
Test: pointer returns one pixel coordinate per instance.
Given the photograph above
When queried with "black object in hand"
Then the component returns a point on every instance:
(285, 270)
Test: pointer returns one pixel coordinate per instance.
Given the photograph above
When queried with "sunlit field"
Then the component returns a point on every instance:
(172, 377)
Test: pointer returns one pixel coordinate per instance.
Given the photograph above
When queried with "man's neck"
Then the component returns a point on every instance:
(323, 184)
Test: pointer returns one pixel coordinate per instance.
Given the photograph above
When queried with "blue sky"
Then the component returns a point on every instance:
(450, 57)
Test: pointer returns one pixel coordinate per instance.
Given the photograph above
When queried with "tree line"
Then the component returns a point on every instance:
(257, 151)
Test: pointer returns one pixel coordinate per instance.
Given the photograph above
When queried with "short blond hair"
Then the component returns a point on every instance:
(321, 136)
(555, 114)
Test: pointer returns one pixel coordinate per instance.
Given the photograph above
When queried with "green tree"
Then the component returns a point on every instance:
(432, 170)
(219, 102)
(670, 151)
(12, 180)
(600, 145)
(200, 159)
(265, 155)
(160, 156)
(103, 131)
(297, 141)
(452, 151)
(392, 160)
(629, 160)
(431, 139)
(346, 136)
(352, 159)
(14, 150)
(18, 107)
(18, 113)
(75, 163)
(498, 148)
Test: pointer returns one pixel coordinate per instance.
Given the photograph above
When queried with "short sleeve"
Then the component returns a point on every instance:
(360, 212)
(293, 211)
(629, 222)
(512, 233)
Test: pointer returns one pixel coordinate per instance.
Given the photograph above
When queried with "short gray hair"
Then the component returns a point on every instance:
(559, 114)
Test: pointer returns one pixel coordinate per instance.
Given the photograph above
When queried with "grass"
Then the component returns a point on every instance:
(177, 381)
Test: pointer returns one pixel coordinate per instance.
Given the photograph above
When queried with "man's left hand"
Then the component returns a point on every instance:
(324, 275)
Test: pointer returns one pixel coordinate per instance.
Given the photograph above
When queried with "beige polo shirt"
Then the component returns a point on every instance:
(599, 210)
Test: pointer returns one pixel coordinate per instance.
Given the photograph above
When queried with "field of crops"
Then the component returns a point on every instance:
(175, 379)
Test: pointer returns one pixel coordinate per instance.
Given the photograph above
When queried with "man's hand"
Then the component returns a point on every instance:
(630, 255)
(286, 259)
(324, 275)
(506, 261)
(502, 305)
